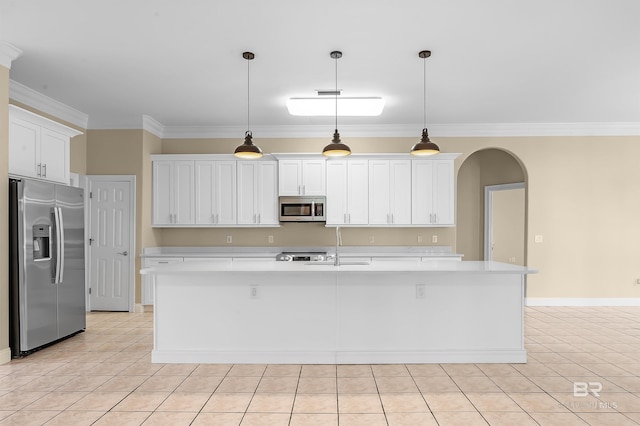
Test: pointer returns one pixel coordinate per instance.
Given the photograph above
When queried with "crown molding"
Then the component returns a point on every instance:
(37, 100)
(409, 130)
(25, 95)
(8, 54)
(152, 126)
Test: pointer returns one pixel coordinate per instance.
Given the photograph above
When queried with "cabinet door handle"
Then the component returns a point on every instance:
(304, 189)
(39, 169)
(392, 219)
(254, 218)
(44, 168)
(349, 217)
(299, 189)
(217, 218)
(258, 217)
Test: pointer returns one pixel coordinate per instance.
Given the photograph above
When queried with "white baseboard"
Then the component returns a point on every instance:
(585, 301)
(336, 357)
(139, 308)
(5, 356)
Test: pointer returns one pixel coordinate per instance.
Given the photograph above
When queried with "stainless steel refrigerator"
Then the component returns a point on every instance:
(46, 264)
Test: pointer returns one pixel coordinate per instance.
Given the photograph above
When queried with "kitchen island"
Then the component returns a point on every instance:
(318, 313)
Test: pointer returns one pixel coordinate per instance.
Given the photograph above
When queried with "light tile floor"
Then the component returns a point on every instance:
(104, 376)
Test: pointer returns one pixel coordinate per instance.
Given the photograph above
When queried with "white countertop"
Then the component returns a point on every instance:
(444, 266)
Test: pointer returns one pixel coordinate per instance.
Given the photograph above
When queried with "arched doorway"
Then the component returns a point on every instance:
(495, 169)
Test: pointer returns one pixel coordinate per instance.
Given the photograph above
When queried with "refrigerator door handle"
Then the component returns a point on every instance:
(61, 246)
(57, 220)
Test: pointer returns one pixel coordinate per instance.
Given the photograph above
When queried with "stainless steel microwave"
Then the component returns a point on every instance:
(302, 209)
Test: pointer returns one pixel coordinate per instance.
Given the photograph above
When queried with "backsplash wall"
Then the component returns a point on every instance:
(308, 235)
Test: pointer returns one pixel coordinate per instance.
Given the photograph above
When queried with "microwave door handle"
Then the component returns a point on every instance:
(313, 210)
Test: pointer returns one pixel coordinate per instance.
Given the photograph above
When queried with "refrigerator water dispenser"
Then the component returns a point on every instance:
(41, 242)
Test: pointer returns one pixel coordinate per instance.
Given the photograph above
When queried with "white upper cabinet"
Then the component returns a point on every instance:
(433, 193)
(389, 192)
(348, 192)
(302, 177)
(38, 147)
(215, 192)
(173, 192)
(257, 192)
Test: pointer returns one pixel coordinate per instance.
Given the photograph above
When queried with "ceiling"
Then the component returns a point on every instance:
(494, 63)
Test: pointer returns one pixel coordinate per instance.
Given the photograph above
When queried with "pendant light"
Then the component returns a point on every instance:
(336, 148)
(248, 150)
(425, 146)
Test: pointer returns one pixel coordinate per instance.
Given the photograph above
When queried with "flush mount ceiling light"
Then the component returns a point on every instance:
(325, 106)
(425, 146)
(248, 149)
(336, 148)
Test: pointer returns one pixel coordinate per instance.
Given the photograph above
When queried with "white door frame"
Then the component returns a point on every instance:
(131, 179)
(489, 190)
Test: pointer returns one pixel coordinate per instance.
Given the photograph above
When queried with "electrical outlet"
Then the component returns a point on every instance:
(419, 239)
(229, 239)
(253, 292)
(434, 238)
(538, 239)
(372, 239)
(420, 291)
(270, 239)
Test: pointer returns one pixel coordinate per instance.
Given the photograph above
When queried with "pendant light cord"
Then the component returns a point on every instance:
(336, 92)
(424, 92)
(248, 122)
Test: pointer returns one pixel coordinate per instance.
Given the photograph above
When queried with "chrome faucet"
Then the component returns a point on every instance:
(336, 259)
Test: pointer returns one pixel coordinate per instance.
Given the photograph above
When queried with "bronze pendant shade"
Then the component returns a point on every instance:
(336, 148)
(425, 146)
(248, 150)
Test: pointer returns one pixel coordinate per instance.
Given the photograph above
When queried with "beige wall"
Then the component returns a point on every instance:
(121, 152)
(584, 201)
(481, 168)
(509, 226)
(4, 214)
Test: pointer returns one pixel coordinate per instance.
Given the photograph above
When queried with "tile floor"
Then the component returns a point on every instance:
(104, 376)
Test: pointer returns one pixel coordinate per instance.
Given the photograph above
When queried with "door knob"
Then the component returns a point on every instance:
(124, 253)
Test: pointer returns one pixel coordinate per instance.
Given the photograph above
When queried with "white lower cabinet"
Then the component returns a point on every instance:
(147, 280)
(257, 192)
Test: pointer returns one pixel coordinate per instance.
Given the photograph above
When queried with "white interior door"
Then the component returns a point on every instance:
(112, 243)
(505, 223)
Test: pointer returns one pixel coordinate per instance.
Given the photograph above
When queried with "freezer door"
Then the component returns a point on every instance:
(71, 289)
(36, 287)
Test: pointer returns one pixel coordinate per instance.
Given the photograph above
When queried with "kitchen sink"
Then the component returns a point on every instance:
(342, 263)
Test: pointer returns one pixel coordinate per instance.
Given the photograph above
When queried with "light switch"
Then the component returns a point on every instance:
(538, 239)
(229, 239)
